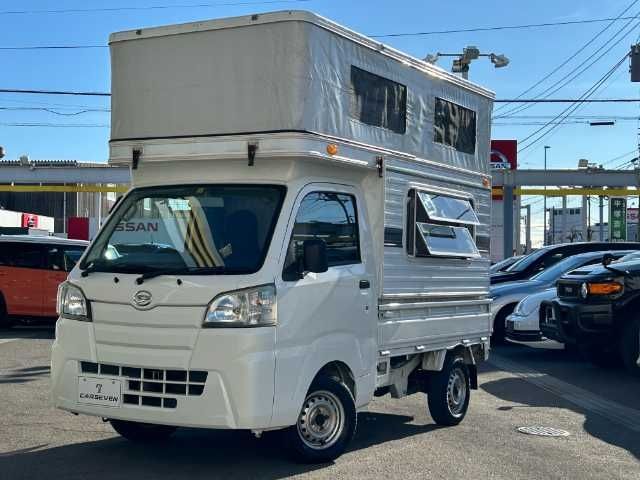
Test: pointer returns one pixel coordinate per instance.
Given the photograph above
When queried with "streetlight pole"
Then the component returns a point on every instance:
(544, 224)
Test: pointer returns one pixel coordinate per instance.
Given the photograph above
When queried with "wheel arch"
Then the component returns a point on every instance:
(341, 371)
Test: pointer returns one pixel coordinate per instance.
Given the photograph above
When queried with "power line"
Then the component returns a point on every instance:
(54, 92)
(150, 7)
(55, 111)
(571, 57)
(570, 109)
(566, 100)
(565, 80)
(503, 27)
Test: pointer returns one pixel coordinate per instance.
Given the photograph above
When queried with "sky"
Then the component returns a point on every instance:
(533, 54)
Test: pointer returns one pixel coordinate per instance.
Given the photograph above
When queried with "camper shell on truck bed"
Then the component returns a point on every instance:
(290, 99)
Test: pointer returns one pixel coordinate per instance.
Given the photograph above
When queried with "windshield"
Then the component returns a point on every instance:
(226, 228)
(524, 262)
(551, 274)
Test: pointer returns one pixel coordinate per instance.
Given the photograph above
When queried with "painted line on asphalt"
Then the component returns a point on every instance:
(612, 411)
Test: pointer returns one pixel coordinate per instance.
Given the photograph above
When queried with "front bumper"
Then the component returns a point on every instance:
(523, 328)
(567, 322)
(237, 392)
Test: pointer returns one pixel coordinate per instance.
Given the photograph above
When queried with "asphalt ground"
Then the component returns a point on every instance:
(539, 385)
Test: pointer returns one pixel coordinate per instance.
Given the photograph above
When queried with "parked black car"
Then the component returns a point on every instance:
(543, 258)
(598, 311)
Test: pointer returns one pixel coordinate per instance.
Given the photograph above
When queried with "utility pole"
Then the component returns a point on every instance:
(601, 218)
(563, 236)
(544, 223)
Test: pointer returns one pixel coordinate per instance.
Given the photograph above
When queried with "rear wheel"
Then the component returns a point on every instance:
(326, 423)
(5, 320)
(142, 432)
(630, 346)
(450, 391)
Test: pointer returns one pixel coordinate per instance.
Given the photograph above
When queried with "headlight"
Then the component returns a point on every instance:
(584, 290)
(602, 288)
(252, 307)
(72, 303)
(524, 308)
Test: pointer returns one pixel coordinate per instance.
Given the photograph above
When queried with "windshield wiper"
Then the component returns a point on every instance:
(176, 271)
(91, 267)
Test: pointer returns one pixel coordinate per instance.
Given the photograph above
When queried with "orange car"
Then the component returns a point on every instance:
(31, 268)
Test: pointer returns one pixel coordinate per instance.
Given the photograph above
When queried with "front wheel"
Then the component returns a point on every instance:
(326, 423)
(142, 432)
(449, 392)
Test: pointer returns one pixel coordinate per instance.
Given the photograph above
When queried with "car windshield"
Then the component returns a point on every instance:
(503, 264)
(554, 272)
(522, 264)
(217, 228)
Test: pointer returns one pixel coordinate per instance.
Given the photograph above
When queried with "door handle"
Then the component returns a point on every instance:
(364, 284)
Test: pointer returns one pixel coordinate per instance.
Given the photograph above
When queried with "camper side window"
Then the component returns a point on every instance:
(455, 126)
(440, 226)
(331, 217)
(378, 101)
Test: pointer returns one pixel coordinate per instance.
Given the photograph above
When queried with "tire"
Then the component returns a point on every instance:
(5, 320)
(449, 391)
(499, 335)
(600, 356)
(142, 432)
(326, 423)
(630, 346)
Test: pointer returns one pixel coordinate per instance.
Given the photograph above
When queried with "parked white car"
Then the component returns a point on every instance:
(524, 323)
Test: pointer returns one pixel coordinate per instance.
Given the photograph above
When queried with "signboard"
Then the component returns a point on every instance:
(29, 220)
(617, 219)
(632, 215)
(504, 156)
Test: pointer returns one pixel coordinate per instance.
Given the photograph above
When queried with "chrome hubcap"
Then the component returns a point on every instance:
(457, 392)
(321, 420)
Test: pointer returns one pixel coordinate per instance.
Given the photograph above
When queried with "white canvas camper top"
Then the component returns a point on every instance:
(308, 227)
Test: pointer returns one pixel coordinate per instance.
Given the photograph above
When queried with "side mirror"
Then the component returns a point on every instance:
(314, 256)
(607, 258)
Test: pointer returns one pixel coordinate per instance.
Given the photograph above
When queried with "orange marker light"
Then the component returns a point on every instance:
(332, 149)
(486, 182)
(608, 288)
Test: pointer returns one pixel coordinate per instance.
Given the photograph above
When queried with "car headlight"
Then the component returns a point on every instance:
(584, 290)
(600, 288)
(524, 308)
(72, 303)
(251, 307)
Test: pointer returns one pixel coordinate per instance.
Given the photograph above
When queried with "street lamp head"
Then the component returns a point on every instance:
(431, 58)
(546, 147)
(499, 61)
(470, 53)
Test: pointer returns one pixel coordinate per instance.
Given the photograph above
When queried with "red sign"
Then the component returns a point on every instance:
(29, 220)
(504, 156)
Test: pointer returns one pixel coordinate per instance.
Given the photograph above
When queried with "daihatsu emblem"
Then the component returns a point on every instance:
(142, 298)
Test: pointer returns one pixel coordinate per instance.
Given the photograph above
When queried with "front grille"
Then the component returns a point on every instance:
(149, 387)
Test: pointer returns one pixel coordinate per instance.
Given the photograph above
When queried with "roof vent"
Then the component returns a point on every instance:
(24, 160)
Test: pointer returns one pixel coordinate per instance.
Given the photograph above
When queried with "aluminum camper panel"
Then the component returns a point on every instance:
(432, 300)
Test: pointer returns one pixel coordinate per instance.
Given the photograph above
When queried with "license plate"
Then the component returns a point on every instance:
(99, 391)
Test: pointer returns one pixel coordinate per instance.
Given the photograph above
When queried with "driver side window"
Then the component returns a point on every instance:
(328, 216)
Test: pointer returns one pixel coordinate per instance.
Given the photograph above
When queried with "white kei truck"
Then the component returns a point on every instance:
(308, 228)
